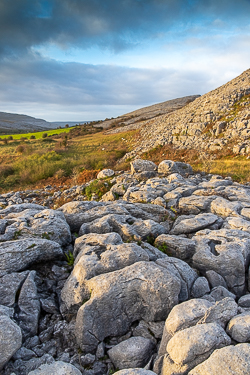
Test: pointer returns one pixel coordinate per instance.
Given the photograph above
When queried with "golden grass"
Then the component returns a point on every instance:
(238, 169)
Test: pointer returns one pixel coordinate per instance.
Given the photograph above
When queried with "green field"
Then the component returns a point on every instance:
(38, 135)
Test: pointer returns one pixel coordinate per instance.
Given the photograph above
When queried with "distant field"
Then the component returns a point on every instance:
(38, 135)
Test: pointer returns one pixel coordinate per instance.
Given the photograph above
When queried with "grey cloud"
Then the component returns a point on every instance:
(115, 24)
(69, 84)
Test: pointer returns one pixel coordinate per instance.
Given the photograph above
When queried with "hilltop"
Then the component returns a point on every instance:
(134, 120)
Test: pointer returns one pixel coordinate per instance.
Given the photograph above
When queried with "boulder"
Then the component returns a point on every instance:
(186, 345)
(226, 259)
(19, 255)
(56, 368)
(134, 352)
(223, 207)
(47, 224)
(140, 165)
(127, 227)
(191, 224)
(105, 173)
(195, 204)
(168, 167)
(221, 312)
(29, 307)
(244, 301)
(182, 316)
(11, 339)
(200, 287)
(239, 327)
(143, 290)
(219, 293)
(9, 286)
(135, 371)
(98, 260)
(75, 213)
(215, 279)
(230, 360)
(183, 271)
(176, 246)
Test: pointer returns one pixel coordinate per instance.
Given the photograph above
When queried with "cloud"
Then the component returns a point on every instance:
(112, 24)
(63, 91)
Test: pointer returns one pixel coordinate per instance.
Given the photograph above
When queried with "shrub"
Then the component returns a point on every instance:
(32, 137)
(10, 138)
(45, 135)
(87, 175)
(23, 138)
(20, 149)
(6, 170)
(59, 174)
(97, 187)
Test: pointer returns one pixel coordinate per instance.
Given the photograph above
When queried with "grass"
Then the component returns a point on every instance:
(26, 163)
(38, 135)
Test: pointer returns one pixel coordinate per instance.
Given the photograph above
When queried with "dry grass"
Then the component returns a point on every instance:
(25, 163)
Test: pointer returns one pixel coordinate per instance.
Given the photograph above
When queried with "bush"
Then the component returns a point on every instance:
(45, 135)
(20, 149)
(10, 138)
(32, 137)
(6, 170)
(97, 187)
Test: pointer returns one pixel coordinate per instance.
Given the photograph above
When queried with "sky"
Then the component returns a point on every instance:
(75, 60)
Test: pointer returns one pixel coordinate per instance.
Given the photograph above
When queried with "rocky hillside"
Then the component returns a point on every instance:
(220, 118)
(134, 120)
(152, 279)
(11, 123)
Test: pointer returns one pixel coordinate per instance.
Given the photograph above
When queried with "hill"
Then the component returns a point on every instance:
(133, 120)
(12, 123)
(218, 119)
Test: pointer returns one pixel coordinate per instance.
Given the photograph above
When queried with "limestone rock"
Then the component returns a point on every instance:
(179, 247)
(29, 307)
(11, 339)
(141, 291)
(134, 352)
(97, 261)
(105, 173)
(9, 286)
(19, 255)
(183, 271)
(230, 360)
(140, 165)
(223, 207)
(167, 167)
(226, 259)
(200, 287)
(244, 301)
(135, 371)
(193, 224)
(195, 204)
(75, 213)
(239, 327)
(47, 224)
(221, 312)
(56, 368)
(186, 345)
(182, 316)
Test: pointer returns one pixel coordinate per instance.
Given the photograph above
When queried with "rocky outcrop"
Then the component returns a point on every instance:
(159, 285)
(220, 118)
